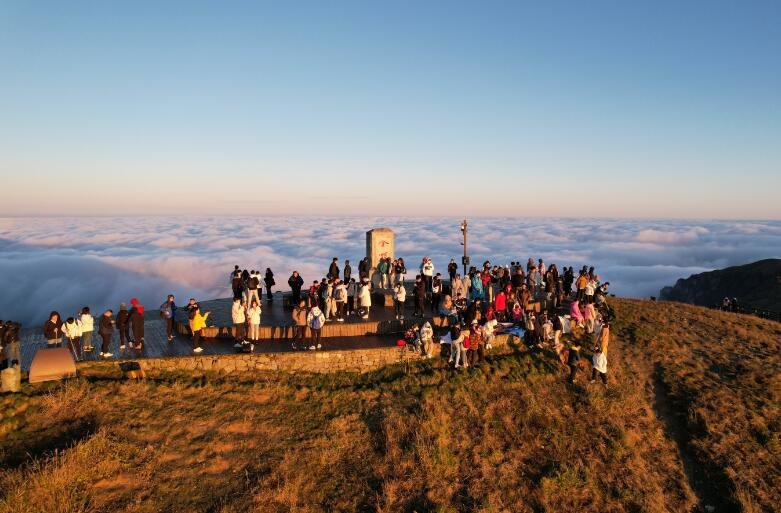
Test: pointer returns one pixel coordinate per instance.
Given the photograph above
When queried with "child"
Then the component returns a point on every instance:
(489, 332)
(87, 325)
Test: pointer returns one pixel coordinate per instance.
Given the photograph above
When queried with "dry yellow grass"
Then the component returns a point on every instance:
(508, 436)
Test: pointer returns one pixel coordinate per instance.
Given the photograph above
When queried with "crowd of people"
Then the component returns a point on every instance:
(534, 301)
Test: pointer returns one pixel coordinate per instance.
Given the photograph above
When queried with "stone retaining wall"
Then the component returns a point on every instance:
(351, 360)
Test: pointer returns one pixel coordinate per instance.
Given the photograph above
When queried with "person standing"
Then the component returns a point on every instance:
(123, 326)
(330, 301)
(333, 269)
(340, 297)
(296, 282)
(457, 351)
(348, 271)
(106, 332)
(452, 269)
(315, 320)
(71, 328)
(136, 321)
(427, 272)
(299, 324)
(269, 281)
(364, 298)
(382, 270)
(197, 324)
(363, 268)
(236, 284)
(253, 316)
(87, 327)
(253, 283)
(573, 361)
(352, 291)
(599, 360)
(52, 330)
(401, 271)
(420, 295)
(436, 292)
(239, 319)
(167, 313)
(399, 296)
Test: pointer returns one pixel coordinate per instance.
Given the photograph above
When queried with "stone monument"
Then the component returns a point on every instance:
(379, 244)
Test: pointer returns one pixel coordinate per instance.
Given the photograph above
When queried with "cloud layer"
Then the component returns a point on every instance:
(66, 263)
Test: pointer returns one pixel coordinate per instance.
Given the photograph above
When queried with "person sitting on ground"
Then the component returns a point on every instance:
(447, 310)
(427, 339)
(575, 313)
(517, 315)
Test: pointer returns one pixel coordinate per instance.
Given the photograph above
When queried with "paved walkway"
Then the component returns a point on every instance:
(156, 344)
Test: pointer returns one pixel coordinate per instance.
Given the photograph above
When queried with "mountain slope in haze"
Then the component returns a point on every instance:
(756, 285)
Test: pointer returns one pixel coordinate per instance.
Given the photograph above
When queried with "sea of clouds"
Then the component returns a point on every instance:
(66, 263)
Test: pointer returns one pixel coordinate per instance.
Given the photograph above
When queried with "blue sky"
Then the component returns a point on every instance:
(663, 109)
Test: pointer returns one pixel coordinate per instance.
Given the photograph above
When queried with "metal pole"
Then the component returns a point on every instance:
(464, 260)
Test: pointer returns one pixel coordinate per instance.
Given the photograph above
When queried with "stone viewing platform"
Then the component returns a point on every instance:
(276, 321)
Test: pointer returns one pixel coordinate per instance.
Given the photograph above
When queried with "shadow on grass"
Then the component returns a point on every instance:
(709, 482)
(43, 442)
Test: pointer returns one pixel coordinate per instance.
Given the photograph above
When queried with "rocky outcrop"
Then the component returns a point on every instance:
(755, 285)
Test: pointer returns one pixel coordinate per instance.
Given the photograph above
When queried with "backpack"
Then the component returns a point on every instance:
(254, 282)
(165, 310)
(315, 324)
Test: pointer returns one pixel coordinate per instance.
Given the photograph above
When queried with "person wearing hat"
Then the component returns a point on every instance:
(476, 353)
(136, 321)
(123, 326)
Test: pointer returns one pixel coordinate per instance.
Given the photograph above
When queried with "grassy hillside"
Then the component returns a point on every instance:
(510, 435)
